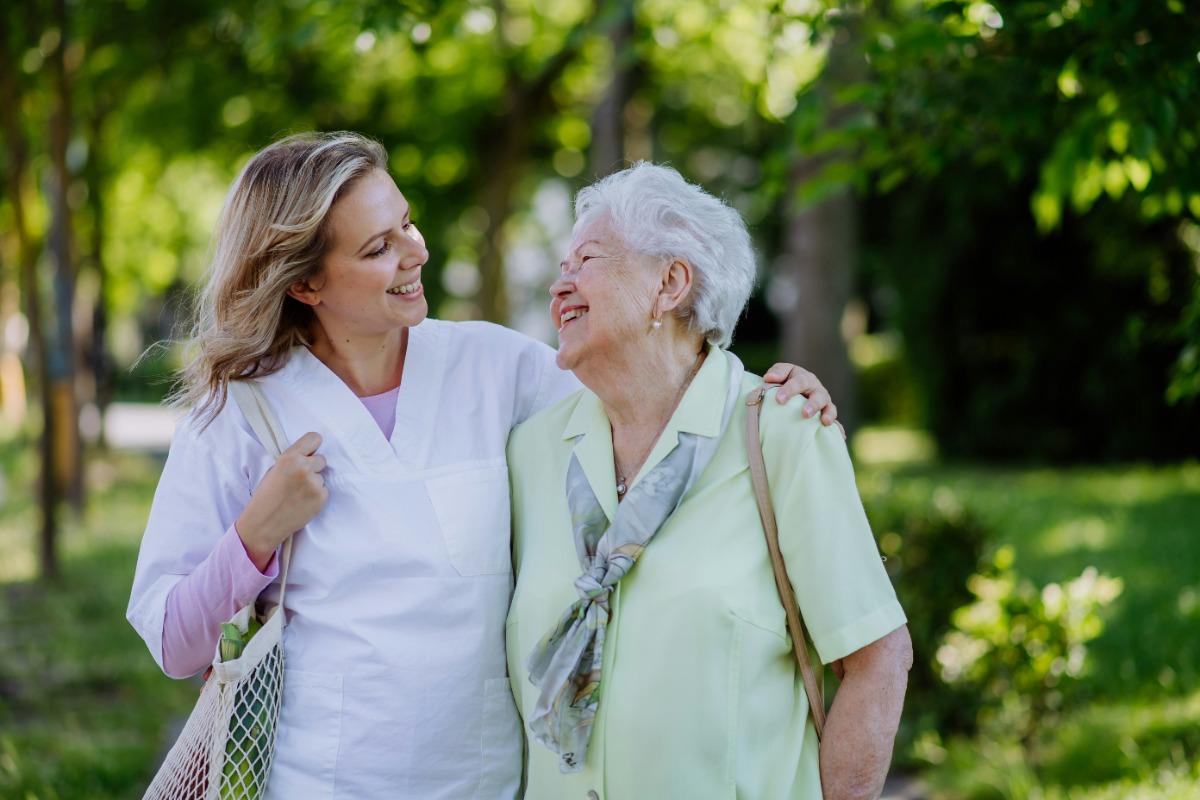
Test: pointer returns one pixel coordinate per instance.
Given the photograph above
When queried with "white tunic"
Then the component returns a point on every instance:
(395, 682)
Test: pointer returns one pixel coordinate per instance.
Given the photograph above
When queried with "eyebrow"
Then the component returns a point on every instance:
(387, 230)
(373, 238)
(580, 247)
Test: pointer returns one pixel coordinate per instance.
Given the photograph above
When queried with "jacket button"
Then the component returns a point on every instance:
(592, 795)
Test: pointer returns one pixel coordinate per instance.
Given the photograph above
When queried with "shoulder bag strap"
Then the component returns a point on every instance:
(766, 511)
(253, 403)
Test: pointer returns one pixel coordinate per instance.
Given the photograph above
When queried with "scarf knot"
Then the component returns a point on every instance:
(592, 590)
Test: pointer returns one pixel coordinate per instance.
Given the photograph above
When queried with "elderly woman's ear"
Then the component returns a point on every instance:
(674, 288)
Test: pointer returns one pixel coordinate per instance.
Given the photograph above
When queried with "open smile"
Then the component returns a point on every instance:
(569, 314)
(408, 291)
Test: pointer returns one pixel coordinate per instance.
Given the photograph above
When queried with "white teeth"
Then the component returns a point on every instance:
(406, 289)
(570, 315)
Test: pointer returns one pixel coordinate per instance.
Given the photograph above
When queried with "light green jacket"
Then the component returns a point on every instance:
(700, 697)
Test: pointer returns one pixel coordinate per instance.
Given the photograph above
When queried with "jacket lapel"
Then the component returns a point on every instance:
(589, 426)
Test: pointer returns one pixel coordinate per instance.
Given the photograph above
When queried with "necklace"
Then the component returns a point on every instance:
(622, 483)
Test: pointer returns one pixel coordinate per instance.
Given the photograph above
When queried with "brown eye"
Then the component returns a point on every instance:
(383, 248)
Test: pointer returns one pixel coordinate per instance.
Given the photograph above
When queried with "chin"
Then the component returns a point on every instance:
(570, 353)
(417, 314)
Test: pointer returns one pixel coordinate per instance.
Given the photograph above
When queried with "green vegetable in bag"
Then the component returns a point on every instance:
(232, 642)
(248, 742)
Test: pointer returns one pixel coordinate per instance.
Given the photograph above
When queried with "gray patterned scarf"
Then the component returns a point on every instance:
(566, 664)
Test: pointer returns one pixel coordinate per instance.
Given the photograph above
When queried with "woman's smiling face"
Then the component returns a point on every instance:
(370, 282)
(603, 298)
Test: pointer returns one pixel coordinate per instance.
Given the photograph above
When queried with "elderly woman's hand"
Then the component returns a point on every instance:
(795, 380)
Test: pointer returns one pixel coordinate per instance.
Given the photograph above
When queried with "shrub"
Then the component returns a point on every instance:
(1019, 647)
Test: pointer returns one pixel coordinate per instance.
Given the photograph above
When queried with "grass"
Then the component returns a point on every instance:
(83, 707)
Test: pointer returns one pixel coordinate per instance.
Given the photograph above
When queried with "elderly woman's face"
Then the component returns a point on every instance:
(603, 298)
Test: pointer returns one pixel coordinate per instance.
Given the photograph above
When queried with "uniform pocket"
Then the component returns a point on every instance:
(472, 508)
(500, 743)
(310, 724)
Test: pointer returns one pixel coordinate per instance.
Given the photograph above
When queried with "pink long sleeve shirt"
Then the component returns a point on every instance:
(228, 580)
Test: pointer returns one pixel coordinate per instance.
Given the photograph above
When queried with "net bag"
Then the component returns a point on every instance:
(227, 745)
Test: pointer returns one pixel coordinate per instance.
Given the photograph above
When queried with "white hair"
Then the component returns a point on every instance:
(659, 214)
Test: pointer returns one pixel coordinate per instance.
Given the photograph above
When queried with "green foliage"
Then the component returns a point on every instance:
(887, 393)
(1134, 711)
(1107, 742)
(1019, 647)
(1178, 783)
(991, 769)
(1016, 336)
(1185, 377)
(1095, 99)
(1054, 137)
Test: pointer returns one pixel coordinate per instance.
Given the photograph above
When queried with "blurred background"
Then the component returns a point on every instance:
(978, 223)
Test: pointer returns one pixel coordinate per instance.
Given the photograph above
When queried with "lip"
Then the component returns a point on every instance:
(563, 311)
(412, 295)
(420, 292)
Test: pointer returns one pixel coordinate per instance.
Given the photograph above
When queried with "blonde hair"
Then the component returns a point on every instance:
(272, 232)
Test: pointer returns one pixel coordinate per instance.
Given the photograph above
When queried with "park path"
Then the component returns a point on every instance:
(145, 427)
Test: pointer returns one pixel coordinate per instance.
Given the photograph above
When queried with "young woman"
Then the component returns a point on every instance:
(400, 576)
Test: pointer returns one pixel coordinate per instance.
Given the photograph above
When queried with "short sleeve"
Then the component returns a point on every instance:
(843, 591)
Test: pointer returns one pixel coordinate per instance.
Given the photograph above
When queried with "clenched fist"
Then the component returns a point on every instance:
(291, 493)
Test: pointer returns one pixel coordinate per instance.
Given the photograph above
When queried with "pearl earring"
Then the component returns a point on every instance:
(656, 324)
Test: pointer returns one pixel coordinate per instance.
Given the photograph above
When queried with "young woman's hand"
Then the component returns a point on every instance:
(793, 380)
(291, 493)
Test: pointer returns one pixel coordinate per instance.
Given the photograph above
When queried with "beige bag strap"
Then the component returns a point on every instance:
(766, 511)
(250, 399)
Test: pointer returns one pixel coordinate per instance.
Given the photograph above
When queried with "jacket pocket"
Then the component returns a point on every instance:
(310, 723)
(501, 743)
(472, 508)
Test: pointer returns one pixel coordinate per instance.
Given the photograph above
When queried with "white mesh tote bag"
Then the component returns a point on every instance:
(228, 743)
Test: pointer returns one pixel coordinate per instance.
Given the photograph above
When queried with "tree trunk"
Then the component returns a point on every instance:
(608, 118)
(820, 252)
(18, 162)
(67, 445)
(505, 142)
(818, 260)
(504, 157)
(98, 356)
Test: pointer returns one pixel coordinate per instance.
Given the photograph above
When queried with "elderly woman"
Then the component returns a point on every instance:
(647, 645)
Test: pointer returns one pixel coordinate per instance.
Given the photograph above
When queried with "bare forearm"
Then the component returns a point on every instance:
(856, 749)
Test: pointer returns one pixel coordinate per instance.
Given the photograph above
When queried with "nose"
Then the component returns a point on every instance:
(563, 285)
(413, 252)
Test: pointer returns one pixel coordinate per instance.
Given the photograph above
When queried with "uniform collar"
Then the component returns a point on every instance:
(316, 386)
